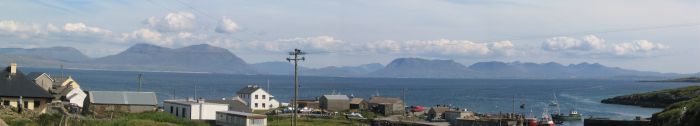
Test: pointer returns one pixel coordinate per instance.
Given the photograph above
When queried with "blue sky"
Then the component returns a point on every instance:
(652, 35)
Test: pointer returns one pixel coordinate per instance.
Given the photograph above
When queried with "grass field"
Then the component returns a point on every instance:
(278, 121)
(120, 119)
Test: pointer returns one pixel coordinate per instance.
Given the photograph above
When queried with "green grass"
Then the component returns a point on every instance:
(671, 115)
(286, 121)
(119, 119)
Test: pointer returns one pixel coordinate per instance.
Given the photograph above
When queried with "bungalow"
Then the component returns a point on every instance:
(193, 110)
(133, 102)
(358, 104)
(256, 98)
(18, 91)
(386, 105)
(334, 103)
(234, 118)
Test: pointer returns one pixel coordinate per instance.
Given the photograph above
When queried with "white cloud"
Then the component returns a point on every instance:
(588, 43)
(442, 47)
(594, 46)
(149, 36)
(643, 46)
(80, 28)
(324, 43)
(172, 22)
(226, 25)
(439, 47)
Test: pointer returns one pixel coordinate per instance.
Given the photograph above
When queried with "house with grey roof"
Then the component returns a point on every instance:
(64, 89)
(16, 90)
(42, 79)
(334, 103)
(125, 101)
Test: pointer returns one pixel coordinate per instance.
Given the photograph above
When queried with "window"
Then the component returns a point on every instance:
(176, 113)
(256, 105)
(183, 112)
(263, 97)
(256, 96)
(171, 109)
(26, 104)
(263, 105)
(256, 121)
(37, 103)
(6, 102)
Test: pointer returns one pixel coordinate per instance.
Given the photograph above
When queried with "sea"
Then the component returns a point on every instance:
(480, 95)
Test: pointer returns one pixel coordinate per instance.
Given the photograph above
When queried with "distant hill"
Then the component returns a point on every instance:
(286, 68)
(195, 58)
(345, 71)
(207, 58)
(63, 54)
(423, 68)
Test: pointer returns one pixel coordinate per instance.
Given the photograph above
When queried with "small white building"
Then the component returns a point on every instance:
(256, 98)
(193, 110)
(74, 96)
(234, 118)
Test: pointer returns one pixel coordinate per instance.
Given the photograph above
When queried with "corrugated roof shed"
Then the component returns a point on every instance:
(18, 84)
(122, 97)
(356, 100)
(336, 97)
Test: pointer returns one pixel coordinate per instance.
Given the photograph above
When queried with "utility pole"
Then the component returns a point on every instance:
(404, 102)
(62, 74)
(140, 80)
(296, 53)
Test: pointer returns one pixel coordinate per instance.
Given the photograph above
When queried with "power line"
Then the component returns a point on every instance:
(296, 53)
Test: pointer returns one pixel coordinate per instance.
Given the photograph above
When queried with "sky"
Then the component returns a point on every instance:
(649, 35)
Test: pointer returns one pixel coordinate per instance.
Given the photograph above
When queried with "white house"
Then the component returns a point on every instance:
(74, 96)
(193, 110)
(256, 98)
(235, 118)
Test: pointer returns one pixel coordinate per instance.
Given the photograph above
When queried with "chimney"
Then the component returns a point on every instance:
(13, 68)
(190, 99)
(200, 100)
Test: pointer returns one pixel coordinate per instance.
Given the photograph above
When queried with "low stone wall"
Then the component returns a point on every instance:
(609, 122)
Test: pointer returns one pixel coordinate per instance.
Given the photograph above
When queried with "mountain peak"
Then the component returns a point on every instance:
(203, 48)
(145, 48)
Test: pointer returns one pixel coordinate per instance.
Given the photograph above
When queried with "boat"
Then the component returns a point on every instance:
(546, 119)
(554, 102)
(573, 116)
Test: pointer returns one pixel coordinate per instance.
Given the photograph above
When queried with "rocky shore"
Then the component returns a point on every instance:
(656, 99)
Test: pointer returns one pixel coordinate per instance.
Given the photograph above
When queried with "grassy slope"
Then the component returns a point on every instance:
(121, 119)
(671, 116)
(661, 98)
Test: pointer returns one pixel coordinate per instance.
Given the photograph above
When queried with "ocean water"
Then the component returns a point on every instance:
(480, 95)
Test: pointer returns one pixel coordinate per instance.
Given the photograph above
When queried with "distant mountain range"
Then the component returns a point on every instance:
(207, 58)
